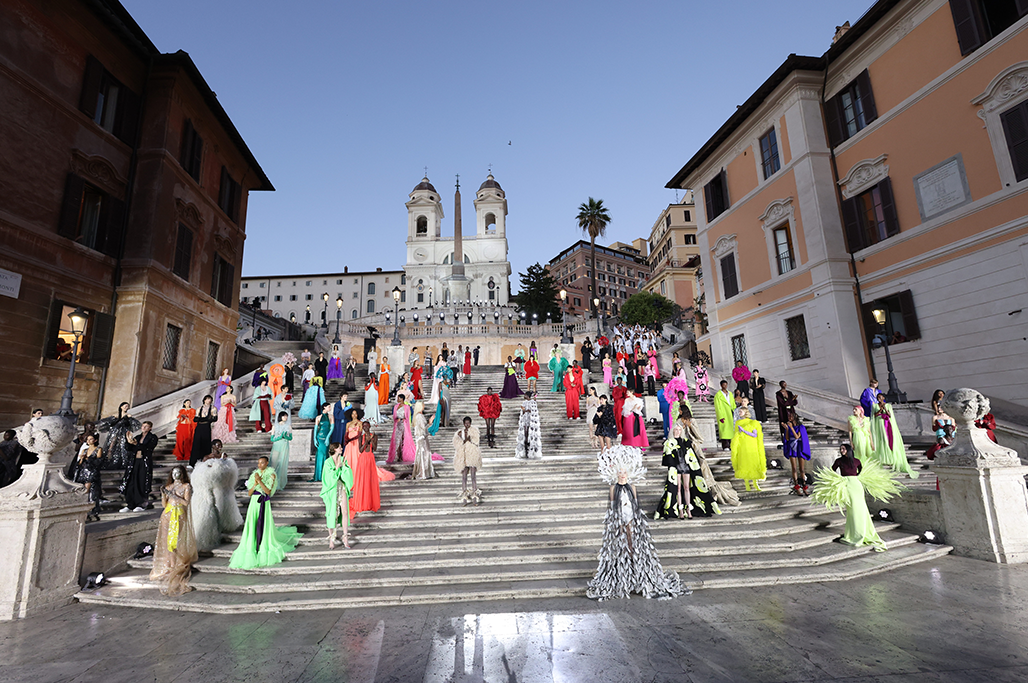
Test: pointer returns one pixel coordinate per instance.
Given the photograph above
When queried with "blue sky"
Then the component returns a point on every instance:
(344, 103)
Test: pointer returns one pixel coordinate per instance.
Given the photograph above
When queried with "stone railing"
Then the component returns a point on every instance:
(422, 330)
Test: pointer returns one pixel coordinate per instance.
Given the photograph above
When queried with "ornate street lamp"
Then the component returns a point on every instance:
(308, 318)
(596, 308)
(324, 314)
(339, 317)
(78, 319)
(565, 338)
(430, 297)
(894, 395)
(396, 315)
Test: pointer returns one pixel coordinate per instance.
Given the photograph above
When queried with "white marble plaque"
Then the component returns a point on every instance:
(942, 188)
(10, 283)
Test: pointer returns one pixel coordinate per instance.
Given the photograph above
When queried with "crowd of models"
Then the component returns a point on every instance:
(199, 495)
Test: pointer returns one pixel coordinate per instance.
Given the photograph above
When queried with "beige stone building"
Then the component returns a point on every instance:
(674, 254)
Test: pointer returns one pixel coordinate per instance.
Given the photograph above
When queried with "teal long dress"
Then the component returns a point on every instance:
(558, 365)
(279, 458)
(321, 434)
(274, 542)
(332, 480)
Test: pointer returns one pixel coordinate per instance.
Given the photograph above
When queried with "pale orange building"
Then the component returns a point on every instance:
(674, 254)
(890, 172)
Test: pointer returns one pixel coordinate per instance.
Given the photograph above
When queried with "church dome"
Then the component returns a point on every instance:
(424, 185)
(490, 182)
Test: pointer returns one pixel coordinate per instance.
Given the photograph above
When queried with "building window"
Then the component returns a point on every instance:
(421, 298)
(371, 289)
(222, 279)
(292, 297)
(246, 285)
(229, 194)
(1015, 129)
(403, 296)
(900, 318)
(262, 285)
(870, 217)
(851, 110)
(739, 349)
(979, 21)
(308, 283)
(172, 338)
(191, 153)
(688, 216)
(91, 217)
(769, 154)
(211, 366)
(308, 297)
(60, 340)
(796, 331)
(688, 239)
(108, 103)
(387, 280)
(667, 221)
(729, 279)
(339, 282)
(577, 301)
(715, 196)
(783, 250)
(278, 297)
(492, 295)
(356, 295)
(371, 306)
(278, 284)
(353, 314)
(422, 226)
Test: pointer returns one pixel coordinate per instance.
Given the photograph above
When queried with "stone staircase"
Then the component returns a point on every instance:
(535, 535)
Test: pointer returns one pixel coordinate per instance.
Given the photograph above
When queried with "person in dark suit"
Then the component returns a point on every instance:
(475, 354)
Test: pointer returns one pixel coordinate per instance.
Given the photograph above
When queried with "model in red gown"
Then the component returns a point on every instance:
(184, 431)
(365, 495)
(618, 393)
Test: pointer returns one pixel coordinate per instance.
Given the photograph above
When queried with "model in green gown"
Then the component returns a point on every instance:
(336, 484)
(263, 544)
(322, 430)
(558, 366)
(889, 449)
(860, 434)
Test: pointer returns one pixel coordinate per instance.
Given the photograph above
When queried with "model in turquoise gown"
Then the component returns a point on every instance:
(322, 430)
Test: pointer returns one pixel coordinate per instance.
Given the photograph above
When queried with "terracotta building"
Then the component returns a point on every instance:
(674, 254)
(123, 190)
(889, 174)
(621, 271)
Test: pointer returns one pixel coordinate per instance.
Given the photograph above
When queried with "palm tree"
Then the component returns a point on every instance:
(593, 219)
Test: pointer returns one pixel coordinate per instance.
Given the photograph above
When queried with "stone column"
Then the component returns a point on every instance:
(982, 488)
(42, 524)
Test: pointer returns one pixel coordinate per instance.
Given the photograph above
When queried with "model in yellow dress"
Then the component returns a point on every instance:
(748, 458)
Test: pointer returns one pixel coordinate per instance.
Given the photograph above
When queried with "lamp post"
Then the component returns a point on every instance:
(308, 318)
(596, 309)
(324, 314)
(255, 306)
(396, 316)
(339, 316)
(78, 319)
(430, 297)
(565, 338)
(894, 395)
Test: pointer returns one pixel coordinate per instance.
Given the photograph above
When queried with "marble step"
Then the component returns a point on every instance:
(335, 569)
(133, 590)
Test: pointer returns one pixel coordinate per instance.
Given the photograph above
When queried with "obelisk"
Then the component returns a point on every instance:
(458, 247)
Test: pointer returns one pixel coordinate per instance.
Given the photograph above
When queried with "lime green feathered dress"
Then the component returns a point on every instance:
(837, 492)
(263, 544)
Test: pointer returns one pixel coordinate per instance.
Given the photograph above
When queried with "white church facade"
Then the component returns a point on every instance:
(432, 278)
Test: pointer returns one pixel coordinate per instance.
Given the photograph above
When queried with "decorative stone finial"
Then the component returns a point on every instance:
(972, 446)
(50, 438)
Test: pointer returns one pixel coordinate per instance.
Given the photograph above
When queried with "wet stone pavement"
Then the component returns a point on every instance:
(950, 620)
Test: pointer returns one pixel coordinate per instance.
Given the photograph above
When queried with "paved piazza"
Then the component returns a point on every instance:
(952, 620)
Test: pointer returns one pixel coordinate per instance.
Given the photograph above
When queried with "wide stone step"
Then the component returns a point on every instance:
(132, 589)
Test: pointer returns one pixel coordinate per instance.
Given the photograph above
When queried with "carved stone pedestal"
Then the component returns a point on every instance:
(42, 525)
(982, 488)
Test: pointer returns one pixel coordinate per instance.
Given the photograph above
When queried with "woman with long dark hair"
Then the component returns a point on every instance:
(205, 417)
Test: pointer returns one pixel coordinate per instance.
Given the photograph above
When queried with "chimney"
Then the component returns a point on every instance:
(840, 31)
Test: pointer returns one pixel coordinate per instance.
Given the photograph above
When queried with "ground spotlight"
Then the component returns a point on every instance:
(144, 549)
(94, 581)
(930, 536)
(885, 515)
(775, 464)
